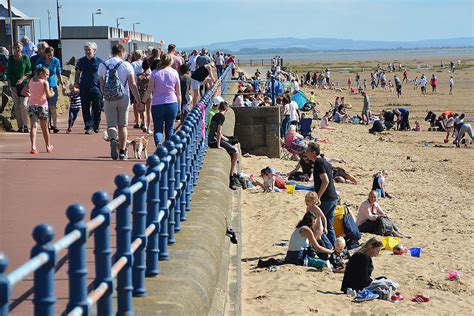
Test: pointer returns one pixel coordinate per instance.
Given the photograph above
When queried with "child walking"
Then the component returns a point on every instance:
(74, 105)
(38, 91)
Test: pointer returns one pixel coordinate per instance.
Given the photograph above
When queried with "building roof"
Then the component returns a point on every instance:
(16, 14)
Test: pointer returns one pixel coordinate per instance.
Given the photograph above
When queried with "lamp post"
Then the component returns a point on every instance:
(49, 24)
(58, 6)
(99, 11)
(121, 18)
(133, 26)
(10, 22)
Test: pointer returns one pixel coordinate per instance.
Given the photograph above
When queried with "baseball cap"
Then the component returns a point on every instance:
(217, 100)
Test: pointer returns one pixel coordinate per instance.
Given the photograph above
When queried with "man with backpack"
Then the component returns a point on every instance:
(117, 79)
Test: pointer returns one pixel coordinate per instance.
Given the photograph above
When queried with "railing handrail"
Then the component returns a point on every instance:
(47, 254)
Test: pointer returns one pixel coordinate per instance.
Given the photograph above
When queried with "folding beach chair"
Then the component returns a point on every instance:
(305, 127)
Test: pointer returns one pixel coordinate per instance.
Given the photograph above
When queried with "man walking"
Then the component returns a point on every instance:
(87, 79)
(324, 186)
(117, 79)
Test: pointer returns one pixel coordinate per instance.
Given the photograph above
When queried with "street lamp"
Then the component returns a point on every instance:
(133, 26)
(99, 11)
(121, 18)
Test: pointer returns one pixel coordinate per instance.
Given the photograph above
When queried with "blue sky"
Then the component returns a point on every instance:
(195, 22)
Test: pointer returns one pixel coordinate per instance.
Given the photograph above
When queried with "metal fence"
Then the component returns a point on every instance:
(157, 198)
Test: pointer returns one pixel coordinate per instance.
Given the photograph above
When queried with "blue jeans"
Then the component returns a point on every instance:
(328, 208)
(72, 116)
(91, 98)
(163, 113)
(285, 125)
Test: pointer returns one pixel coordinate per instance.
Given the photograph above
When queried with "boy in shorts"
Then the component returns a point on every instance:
(218, 140)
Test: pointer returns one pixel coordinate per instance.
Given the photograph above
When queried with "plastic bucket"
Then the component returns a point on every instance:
(290, 188)
(390, 242)
(415, 252)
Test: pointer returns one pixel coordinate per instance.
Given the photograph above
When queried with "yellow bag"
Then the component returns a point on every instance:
(389, 242)
(337, 223)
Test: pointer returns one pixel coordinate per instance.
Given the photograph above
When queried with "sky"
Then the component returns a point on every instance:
(192, 23)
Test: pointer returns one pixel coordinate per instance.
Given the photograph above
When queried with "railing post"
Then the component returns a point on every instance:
(273, 90)
(188, 164)
(123, 230)
(44, 298)
(138, 231)
(5, 289)
(102, 253)
(153, 208)
(171, 190)
(164, 158)
(178, 181)
(184, 180)
(77, 259)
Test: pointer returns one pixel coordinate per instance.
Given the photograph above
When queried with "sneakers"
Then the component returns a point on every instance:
(96, 130)
(89, 131)
(123, 154)
(25, 129)
(136, 125)
(234, 182)
(366, 295)
(69, 130)
(55, 129)
(113, 149)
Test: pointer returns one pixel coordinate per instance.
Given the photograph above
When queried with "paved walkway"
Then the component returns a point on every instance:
(38, 188)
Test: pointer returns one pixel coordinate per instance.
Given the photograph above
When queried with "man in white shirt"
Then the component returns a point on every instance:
(192, 61)
(116, 111)
(219, 64)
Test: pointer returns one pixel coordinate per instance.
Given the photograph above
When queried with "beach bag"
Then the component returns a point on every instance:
(385, 227)
(350, 227)
(298, 146)
(113, 88)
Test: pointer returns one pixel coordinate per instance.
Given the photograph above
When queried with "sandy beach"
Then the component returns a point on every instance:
(434, 204)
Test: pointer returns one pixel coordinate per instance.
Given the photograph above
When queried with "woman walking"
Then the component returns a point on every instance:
(165, 85)
(18, 70)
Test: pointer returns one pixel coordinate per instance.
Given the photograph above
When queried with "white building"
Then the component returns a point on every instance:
(74, 37)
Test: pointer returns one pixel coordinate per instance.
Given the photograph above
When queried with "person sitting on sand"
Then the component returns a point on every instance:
(304, 236)
(271, 182)
(358, 272)
(306, 166)
(337, 258)
(378, 183)
(372, 219)
(388, 119)
(324, 124)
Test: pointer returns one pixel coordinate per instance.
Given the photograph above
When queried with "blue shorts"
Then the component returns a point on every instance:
(52, 101)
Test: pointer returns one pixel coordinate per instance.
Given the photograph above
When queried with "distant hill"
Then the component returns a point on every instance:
(292, 44)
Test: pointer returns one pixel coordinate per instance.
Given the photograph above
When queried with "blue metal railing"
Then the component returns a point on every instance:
(157, 198)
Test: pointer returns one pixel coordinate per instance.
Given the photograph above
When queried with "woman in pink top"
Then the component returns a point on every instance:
(38, 91)
(369, 218)
(165, 86)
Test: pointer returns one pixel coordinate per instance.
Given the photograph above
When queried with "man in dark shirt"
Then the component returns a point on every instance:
(218, 140)
(87, 79)
(324, 186)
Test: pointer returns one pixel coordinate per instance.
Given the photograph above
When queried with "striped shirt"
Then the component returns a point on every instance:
(74, 100)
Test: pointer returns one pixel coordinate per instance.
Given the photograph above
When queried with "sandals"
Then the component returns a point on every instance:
(33, 151)
(49, 149)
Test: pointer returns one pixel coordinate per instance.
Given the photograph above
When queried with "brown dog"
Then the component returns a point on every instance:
(139, 145)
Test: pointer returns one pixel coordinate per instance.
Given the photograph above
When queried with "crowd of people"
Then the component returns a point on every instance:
(161, 86)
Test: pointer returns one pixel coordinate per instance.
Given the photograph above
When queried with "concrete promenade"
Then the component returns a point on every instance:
(38, 188)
